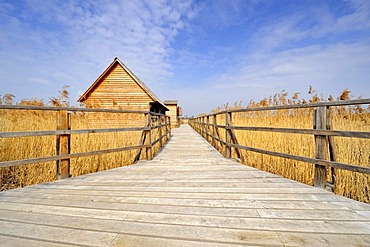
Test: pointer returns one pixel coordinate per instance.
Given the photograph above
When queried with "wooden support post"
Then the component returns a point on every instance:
(160, 130)
(169, 125)
(332, 154)
(320, 147)
(200, 125)
(213, 131)
(234, 140)
(208, 130)
(203, 127)
(165, 123)
(227, 135)
(165, 128)
(217, 132)
(148, 139)
(143, 137)
(63, 145)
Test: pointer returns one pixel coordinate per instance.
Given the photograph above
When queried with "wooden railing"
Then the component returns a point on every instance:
(63, 132)
(322, 130)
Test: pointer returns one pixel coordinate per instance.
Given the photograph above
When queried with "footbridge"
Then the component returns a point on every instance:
(188, 195)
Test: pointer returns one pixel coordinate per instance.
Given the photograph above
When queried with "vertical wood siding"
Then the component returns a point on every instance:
(173, 115)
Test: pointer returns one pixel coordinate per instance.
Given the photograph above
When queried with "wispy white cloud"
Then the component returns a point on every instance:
(357, 19)
(329, 69)
(314, 22)
(308, 63)
(64, 41)
(312, 45)
(204, 53)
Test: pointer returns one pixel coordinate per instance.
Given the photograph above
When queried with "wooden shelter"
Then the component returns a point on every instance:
(119, 88)
(174, 112)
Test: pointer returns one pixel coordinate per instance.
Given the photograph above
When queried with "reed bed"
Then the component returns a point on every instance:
(348, 150)
(35, 147)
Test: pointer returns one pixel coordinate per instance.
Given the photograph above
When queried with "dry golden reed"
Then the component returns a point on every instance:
(42, 146)
(348, 150)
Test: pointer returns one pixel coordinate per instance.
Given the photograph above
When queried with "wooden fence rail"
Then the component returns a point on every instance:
(322, 131)
(63, 132)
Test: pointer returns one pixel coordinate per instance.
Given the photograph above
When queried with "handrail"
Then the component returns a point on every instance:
(71, 109)
(310, 105)
(63, 133)
(67, 132)
(357, 134)
(322, 132)
(69, 156)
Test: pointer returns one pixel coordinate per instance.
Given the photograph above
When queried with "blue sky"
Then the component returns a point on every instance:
(203, 53)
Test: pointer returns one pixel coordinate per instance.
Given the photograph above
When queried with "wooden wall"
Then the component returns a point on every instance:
(173, 115)
(115, 120)
(118, 90)
(185, 121)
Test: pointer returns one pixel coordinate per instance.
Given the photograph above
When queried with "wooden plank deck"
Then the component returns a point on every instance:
(189, 195)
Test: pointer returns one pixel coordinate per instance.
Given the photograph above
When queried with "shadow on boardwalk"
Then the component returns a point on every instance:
(189, 195)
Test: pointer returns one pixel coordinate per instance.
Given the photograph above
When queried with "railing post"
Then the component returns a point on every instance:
(217, 132)
(148, 139)
(227, 135)
(207, 129)
(143, 137)
(160, 130)
(165, 128)
(213, 130)
(331, 146)
(63, 144)
(202, 126)
(165, 123)
(320, 147)
(169, 126)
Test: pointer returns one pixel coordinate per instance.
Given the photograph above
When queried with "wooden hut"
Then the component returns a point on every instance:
(119, 88)
(174, 112)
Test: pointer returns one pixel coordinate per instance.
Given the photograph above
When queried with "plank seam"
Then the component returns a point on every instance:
(187, 225)
(172, 205)
(196, 215)
(42, 240)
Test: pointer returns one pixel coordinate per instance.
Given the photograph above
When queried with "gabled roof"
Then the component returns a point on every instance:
(130, 73)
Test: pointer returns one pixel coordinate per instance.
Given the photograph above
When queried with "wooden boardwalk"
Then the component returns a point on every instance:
(189, 195)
